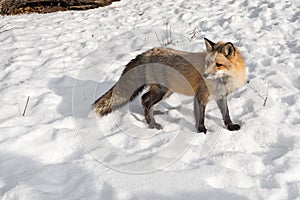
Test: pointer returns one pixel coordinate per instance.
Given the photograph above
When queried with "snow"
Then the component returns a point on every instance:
(64, 61)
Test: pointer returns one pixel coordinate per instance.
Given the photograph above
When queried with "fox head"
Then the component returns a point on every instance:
(223, 60)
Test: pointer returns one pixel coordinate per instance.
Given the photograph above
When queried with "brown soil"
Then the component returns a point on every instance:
(48, 6)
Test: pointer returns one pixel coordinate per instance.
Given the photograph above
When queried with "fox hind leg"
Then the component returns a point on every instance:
(155, 94)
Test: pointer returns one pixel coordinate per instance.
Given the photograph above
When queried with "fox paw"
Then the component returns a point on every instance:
(233, 127)
(202, 129)
(155, 125)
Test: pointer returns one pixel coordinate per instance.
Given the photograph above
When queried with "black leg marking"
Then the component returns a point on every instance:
(222, 104)
(199, 110)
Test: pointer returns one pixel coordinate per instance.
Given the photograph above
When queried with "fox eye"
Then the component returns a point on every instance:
(219, 65)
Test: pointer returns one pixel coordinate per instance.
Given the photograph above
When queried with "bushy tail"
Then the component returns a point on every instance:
(130, 84)
(113, 100)
(102, 106)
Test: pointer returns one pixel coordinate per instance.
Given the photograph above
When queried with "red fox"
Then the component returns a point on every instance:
(215, 73)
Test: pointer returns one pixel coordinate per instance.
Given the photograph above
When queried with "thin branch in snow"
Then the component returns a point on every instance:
(265, 100)
(194, 33)
(168, 34)
(258, 93)
(26, 106)
(159, 40)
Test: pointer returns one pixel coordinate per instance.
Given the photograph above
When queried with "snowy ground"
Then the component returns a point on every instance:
(63, 61)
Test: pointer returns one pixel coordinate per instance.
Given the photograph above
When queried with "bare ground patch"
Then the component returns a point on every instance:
(8, 7)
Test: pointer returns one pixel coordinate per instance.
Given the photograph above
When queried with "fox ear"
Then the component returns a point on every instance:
(209, 44)
(228, 50)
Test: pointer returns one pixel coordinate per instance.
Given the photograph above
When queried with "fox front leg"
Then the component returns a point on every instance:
(199, 110)
(222, 104)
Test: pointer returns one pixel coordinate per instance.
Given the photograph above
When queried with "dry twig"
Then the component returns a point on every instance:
(264, 98)
(26, 106)
(159, 40)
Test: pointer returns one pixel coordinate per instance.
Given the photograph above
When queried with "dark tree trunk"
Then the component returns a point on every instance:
(9, 7)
